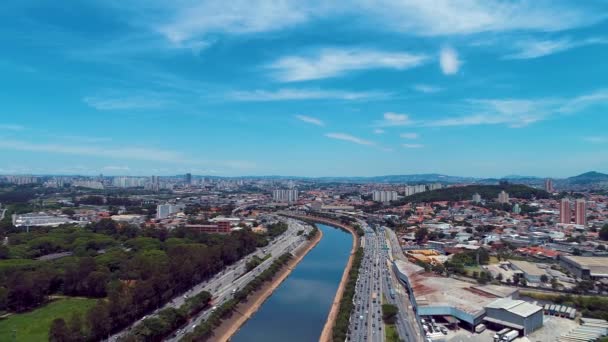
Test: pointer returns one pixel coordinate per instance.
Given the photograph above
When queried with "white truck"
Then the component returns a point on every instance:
(498, 336)
(510, 336)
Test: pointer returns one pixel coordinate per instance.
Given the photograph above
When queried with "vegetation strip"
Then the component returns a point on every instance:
(340, 328)
(204, 331)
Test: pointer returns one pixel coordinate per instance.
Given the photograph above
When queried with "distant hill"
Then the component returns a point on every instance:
(461, 193)
(588, 178)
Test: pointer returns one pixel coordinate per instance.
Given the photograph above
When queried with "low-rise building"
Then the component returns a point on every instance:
(593, 268)
(516, 314)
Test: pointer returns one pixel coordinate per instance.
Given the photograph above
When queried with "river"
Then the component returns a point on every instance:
(297, 310)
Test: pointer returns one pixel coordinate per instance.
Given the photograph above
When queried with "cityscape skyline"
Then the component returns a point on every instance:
(408, 87)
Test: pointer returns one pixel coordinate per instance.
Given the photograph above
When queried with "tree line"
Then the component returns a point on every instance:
(139, 270)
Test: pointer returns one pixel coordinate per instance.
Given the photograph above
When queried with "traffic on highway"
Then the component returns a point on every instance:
(377, 284)
(224, 284)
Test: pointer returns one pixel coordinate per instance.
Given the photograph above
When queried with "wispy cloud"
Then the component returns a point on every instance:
(413, 145)
(531, 48)
(304, 94)
(449, 61)
(427, 89)
(379, 131)
(135, 153)
(126, 153)
(11, 127)
(445, 17)
(394, 119)
(518, 112)
(122, 103)
(310, 120)
(409, 135)
(349, 138)
(191, 21)
(116, 168)
(336, 62)
(596, 139)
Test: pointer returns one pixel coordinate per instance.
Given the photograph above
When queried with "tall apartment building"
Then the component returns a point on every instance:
(580, 214)
(435, 186)
(285, 195)
(503, 197)
(384, 196)
(414, 189)
(164, 210)
(476, 198)
(128, 182)
(565, 213)
(549, 185)
(188, 178)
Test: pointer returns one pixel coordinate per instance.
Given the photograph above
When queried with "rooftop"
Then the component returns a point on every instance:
(433, 290)
(517, 307)
(527, 267)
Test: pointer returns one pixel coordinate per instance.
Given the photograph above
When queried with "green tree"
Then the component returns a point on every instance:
(75, 328)
(604, 233)
(98, 320)
(59, 331)
(544, 278)
(389, 313)
(421, 235)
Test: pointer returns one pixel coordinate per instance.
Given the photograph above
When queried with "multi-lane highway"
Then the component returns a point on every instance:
(366, 319)
(377, 282)
(406, 324)
(233, 278)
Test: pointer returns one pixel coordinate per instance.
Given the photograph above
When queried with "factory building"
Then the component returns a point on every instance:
(593, 268)
(515, 314)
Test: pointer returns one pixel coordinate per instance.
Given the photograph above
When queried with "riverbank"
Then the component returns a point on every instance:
(247, 309)
(326, 334)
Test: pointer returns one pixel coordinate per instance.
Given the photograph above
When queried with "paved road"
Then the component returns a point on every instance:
(232, 278)
(366, 319)
(407, 325)
(223, 290)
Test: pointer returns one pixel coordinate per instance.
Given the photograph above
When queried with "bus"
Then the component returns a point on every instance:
(374, 297)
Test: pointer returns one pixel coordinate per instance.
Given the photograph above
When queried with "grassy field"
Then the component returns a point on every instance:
(34, 325)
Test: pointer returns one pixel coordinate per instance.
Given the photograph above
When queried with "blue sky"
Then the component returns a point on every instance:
(306, 88)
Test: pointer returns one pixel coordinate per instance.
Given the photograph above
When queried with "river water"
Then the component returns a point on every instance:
(297, 310)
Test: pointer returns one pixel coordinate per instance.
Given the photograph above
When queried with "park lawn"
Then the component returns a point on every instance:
(34, 325)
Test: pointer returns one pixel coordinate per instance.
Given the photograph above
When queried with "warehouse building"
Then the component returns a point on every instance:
(529, 270)
(592, 268)
(515, 314)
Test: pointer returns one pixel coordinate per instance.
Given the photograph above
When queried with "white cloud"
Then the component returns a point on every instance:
(413, 145)
(378, 131)
(448, 61)
(191, 20)
(596, 139)
(581, 102)
(116, 103)
(310, 120)
(11, 127)
(349, 138)
(427, 89)
(116, 168)
(531, 48)
(409, 135)
(135, 153)
(303, 94)
(336, 62)
(519, 112)
(394, 119)
(448, 17)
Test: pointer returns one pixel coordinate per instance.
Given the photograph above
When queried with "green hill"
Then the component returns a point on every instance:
(454, 194)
